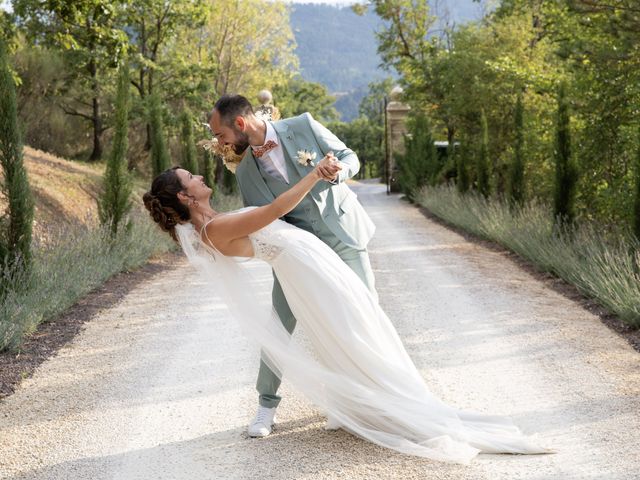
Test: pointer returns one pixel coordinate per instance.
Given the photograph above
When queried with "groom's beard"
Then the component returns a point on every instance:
(241, 142)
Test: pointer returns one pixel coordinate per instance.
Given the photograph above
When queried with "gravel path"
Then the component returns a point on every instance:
(161, 385)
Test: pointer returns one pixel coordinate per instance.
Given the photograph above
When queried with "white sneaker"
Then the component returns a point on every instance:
(263, 423)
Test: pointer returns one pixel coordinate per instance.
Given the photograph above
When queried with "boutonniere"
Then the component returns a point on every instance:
(306, 158)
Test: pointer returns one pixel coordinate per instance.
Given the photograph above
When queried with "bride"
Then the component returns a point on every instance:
(358, 372)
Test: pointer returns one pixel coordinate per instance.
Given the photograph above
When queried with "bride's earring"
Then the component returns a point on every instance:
(195, 203)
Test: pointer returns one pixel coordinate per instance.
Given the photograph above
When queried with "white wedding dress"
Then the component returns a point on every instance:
(357, 371)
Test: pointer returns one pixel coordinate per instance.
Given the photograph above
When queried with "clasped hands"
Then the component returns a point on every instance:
(328, 168)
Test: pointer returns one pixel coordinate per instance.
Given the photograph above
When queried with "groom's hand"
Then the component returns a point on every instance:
(329, 167)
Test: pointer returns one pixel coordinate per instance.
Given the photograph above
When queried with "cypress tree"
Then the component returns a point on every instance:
(189, 159)
(516, 183)
(16, 226)
(160, 160)
(115, 202)
(209, 169)
(566, 170)
(419, 165)
(482, 160)
(462, 169)
(229, 182)
(636, 206)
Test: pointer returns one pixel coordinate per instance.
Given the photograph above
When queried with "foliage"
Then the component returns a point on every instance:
(188, 51)
(373, 104)
(16, 222)
(7, 28)
(160, 160)
(365, 138)
(566, 170)
(87, 32)
(525, 48)
(419, 164)
(44, 84)
(299, 96)
(115, 202)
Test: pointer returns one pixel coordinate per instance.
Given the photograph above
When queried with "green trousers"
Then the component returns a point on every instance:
(268, 382)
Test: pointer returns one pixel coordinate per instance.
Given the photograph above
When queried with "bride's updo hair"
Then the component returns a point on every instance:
(163, 204)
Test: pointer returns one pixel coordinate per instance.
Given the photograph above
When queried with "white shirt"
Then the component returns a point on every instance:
(273, 161)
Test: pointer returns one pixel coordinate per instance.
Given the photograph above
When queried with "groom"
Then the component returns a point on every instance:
(275, 158)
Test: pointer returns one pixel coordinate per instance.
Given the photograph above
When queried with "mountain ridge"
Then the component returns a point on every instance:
(338, 48)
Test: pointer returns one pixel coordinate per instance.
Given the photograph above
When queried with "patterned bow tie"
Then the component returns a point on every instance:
(267, 147)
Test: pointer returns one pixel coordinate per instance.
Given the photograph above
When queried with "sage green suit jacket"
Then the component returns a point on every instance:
(337, 203)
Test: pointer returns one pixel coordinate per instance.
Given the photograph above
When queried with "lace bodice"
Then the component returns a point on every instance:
(263, 248)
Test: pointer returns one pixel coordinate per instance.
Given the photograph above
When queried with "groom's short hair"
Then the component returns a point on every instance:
(231, 106)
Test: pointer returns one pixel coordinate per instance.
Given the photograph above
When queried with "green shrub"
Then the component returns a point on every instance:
(16, 224)
(566, 169)
(115, 202)
(71, 268)
(160, 160)
(419, 164)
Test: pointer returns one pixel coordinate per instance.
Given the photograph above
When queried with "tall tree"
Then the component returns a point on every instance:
(160, 160)
(87, 31)
(419, 164)
(189, 159)
(209, 168)
(16, 223)
(461, 155)
(483, 174)
(566, 170)
(115, 202)
(153, 27)
(298, 96)
(516, 183)
(228, 42)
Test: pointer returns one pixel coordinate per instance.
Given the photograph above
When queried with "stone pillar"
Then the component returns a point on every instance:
(266, 110)
(396, 117)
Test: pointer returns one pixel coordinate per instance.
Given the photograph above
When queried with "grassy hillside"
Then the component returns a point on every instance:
(65, 193)
(73, 255)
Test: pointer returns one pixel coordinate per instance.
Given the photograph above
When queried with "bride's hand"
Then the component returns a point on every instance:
(328, 168)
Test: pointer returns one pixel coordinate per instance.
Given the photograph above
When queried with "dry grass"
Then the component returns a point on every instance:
(65, 193)
(72, 253)
(602, 267)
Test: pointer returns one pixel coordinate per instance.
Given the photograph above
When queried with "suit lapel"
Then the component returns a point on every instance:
(254, 175)
(288, 141)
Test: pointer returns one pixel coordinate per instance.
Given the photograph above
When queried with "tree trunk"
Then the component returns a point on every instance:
(97, 132)
(95, 117)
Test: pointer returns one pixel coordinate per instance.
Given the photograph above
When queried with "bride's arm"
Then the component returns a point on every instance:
(227, 228)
